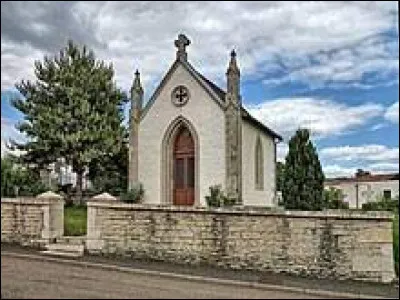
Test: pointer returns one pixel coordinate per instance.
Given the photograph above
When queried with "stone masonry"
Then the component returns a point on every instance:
(136, 108)
(328, 244)
(233, 132)
(31, 221)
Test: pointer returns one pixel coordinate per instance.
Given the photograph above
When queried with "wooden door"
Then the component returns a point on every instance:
(184, 164)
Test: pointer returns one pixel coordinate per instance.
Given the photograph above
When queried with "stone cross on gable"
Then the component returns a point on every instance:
(181, 43)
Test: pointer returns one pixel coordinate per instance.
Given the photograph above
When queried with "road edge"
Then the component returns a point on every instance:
(197, 278)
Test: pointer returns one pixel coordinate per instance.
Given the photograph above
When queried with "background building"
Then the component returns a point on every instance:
(365, 187)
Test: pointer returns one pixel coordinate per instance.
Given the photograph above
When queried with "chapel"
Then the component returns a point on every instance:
(192, 135)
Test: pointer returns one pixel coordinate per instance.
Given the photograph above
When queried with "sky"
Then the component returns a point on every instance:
(331, 67)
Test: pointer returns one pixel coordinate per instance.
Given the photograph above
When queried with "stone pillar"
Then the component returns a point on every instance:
(53, 215)
(134, 120)
(233, 132)
(94, 243)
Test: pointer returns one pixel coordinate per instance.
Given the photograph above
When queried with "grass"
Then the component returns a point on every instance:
(396, 242)
(75, 220)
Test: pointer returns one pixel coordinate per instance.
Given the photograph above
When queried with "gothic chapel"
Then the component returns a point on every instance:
(191, 135)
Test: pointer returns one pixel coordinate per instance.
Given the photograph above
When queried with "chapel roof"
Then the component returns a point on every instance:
(245, 114)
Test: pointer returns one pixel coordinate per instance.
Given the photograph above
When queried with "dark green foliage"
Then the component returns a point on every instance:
(75, 220)
(334, 199)
(134, 195)
(17, 180)
(109, 173)
(303, 177)
(280, 171)
(217, 197)
(383, 204)
(73, 111)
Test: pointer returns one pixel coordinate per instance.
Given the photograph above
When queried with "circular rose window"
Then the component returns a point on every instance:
(180, 95)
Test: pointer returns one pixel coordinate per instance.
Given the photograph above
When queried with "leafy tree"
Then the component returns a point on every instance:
(280, 169)
(17, 180)
(73, 110)
(110, 173)
(303, 177)
(334, 199)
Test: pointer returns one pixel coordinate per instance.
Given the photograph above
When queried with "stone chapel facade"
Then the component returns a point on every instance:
(191, 135)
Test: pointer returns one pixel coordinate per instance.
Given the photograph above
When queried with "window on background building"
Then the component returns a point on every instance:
(387, 194)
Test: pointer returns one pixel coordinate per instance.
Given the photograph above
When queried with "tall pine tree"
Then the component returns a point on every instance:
(303, 183)
(73, 110)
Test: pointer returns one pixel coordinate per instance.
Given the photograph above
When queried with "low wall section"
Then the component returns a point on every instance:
(328, 244)
(31, 221)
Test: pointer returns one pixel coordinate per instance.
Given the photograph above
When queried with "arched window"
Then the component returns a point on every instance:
(259, 165)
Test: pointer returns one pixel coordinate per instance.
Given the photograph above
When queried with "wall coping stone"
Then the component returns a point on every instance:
(30, 200)
(104, 197)
(250, 211)
(49, 195)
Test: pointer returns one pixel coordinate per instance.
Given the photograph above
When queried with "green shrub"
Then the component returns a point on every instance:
(18, 180)
(334, 199)
(382, 203)
(217, 197)
(134, 195)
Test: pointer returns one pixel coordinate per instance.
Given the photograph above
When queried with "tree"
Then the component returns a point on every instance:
(17, 180)
(334, 199)
(73, 111)
(110, 173)
(280, 169)
(303, 177)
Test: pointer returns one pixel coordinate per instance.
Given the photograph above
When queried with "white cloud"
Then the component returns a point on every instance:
(282, 150)
(336, 170)
(392, 113)
(323, 117)
(360, 153)
(345, 160)
(8, 131)
(343, 39)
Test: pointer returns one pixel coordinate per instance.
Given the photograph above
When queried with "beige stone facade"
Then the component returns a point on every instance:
(223, 132)
(328, 244)
(369, 188)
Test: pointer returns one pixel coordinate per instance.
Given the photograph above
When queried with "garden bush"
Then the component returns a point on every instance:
(134, 195)
(217, 197)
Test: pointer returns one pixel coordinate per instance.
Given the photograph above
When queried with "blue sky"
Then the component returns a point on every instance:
(330, 67)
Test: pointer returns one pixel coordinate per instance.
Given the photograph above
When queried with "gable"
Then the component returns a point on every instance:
(214, 91)
(201, 80)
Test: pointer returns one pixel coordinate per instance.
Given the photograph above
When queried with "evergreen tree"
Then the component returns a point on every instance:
(110, 173)
(303, 177)
(73, 110)
(280, 169)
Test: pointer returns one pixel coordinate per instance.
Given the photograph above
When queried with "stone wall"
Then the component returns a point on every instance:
(31, 221)
(328, 244)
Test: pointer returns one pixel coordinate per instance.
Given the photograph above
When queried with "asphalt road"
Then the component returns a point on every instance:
(27, 278)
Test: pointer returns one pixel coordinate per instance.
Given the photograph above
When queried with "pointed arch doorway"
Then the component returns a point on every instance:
(183, 168)
(180, 164)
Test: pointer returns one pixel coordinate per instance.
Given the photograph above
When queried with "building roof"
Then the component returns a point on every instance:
(362, 178)
(245, 114)
(215, 91)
